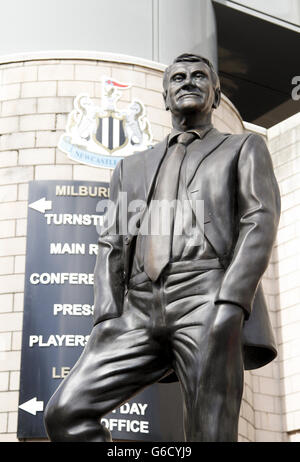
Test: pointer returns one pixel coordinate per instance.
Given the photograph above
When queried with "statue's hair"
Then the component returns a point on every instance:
(190, 57)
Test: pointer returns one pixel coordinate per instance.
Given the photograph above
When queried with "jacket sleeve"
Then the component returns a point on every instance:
(258, 202)
(109, 269)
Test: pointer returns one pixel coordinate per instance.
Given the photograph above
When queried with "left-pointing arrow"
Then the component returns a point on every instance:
(32, 406)
(41, 205)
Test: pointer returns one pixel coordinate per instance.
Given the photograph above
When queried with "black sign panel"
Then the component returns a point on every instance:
(58, 307)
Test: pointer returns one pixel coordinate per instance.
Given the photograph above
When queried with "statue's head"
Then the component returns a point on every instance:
(191, 84)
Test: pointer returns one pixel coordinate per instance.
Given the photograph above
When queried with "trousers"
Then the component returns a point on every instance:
(166, 326)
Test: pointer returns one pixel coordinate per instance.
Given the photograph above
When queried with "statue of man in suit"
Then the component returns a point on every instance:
(164, 305)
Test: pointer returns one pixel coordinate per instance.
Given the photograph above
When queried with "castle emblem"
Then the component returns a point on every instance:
(101, 135)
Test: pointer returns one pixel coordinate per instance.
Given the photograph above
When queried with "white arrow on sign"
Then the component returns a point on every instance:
(32, 406)
(41, 205)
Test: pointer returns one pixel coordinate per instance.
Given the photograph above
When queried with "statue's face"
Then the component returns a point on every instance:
(190, 88)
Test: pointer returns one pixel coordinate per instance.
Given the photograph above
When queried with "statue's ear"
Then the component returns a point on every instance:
(217, 99)
(165, 94)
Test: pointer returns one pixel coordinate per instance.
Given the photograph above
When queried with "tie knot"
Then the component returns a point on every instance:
(186, 138)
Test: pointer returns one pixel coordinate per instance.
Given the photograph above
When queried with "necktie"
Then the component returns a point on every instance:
(158, 247)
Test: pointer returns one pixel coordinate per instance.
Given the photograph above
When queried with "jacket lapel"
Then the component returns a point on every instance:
(151, 164)
(210, 142)
(155, 156)
(147, 168)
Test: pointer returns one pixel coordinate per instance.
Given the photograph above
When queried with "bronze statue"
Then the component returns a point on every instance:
(164, 305)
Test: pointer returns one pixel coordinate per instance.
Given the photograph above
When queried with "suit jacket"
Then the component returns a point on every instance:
(234, 176)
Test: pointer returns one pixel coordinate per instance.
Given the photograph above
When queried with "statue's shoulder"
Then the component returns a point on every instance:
(234, 137)
(237, 139)
(140, 157)
(248, 144)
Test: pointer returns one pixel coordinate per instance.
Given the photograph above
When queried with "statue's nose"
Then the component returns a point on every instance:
(188, 82)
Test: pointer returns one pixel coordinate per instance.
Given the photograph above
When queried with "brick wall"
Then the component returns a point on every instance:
(284, 143)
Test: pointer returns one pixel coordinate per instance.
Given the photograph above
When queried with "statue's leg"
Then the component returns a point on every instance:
(209, 364)
(119, 359)
(207, 354)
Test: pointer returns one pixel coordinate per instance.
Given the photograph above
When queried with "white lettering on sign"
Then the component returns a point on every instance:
(134, 408)
(134, 426)
(75, 248)
(62, 278)
(74, 309)
(73, 219)
(68, 340)
(93, 249)
(57, 248)
(61, 373)
(81, 190)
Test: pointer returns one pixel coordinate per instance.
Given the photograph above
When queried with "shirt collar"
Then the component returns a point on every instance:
(199, 132)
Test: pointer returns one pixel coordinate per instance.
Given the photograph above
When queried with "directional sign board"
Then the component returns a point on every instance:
(62, 233)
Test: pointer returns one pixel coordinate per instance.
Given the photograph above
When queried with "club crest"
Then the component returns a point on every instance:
(102, 135)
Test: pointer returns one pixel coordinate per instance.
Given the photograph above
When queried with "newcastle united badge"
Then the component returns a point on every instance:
(101, 135)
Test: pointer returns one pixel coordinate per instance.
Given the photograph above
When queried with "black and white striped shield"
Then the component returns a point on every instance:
(110, 133)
